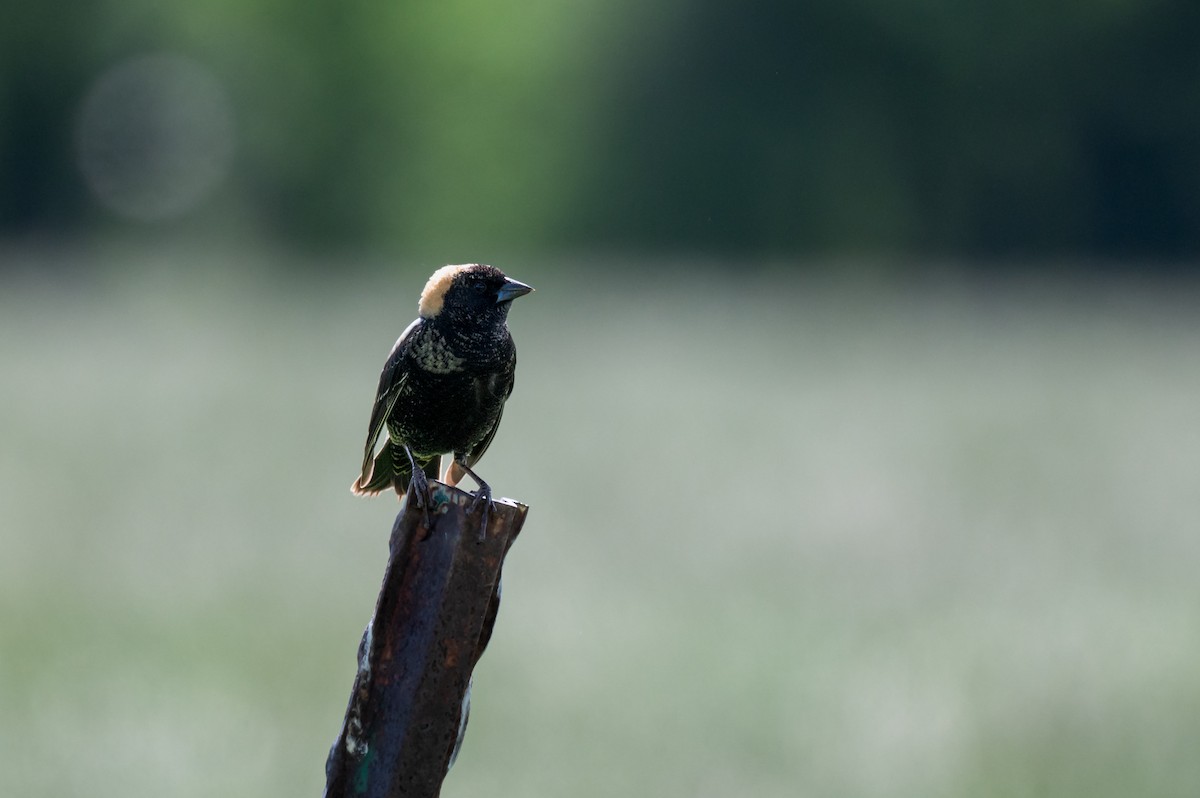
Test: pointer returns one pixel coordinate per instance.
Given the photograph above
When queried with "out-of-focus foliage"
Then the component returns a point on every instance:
(1006, 127)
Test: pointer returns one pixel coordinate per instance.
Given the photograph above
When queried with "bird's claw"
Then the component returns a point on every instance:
(483, 496)
(418, 486)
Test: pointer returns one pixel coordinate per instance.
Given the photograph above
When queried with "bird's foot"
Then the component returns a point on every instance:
(483, 499)
(483, 496)
(418, 488)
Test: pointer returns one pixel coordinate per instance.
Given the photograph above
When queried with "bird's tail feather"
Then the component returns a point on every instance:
(383, 472)
(391, 469)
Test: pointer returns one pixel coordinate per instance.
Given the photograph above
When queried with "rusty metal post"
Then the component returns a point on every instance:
(408, 708)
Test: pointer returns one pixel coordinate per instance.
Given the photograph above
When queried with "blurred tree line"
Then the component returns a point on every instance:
(1002, 128)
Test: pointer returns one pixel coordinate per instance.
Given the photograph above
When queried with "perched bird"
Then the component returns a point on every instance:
(444, 385)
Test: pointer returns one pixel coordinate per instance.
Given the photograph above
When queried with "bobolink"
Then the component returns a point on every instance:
(444, 385)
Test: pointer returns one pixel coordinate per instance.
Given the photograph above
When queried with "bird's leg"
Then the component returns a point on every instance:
(484, 495)
(418, 485)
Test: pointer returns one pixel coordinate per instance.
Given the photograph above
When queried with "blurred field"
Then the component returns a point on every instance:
(787, 537)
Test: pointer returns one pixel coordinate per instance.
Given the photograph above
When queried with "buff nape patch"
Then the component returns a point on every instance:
(435, 290)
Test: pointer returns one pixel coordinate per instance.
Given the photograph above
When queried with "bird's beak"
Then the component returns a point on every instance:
(511, 290)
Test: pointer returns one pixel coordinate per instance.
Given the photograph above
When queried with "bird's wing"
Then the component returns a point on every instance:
(478, 449)
(476, 452)
(391, 381)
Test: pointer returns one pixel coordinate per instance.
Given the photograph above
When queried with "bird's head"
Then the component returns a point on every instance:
(470, 293)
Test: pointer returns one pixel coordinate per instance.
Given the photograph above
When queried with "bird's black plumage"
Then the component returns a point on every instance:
(443, 387)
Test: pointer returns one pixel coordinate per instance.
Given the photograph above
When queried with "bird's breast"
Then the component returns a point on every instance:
(443, 412)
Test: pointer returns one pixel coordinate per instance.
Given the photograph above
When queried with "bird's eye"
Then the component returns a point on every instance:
(480, 286)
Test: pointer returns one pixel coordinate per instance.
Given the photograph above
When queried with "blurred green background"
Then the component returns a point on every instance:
(857, 407)
(766, 128)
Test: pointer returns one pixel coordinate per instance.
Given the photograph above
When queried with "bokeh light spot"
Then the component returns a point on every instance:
(155, 136)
